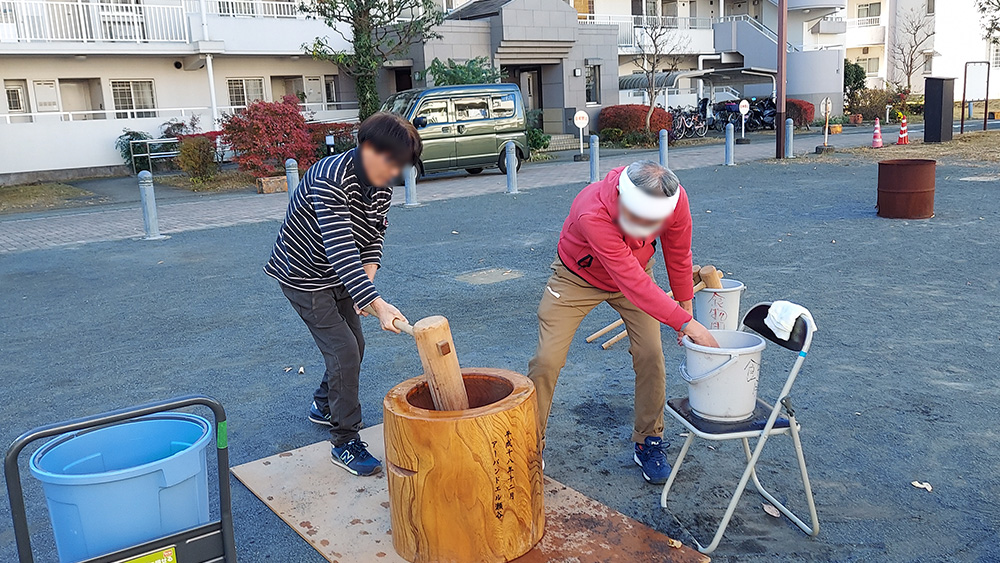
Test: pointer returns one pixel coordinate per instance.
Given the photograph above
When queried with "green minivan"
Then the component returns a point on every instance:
(464, 127)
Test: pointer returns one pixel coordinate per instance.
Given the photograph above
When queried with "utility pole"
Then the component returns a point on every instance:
(779, 119)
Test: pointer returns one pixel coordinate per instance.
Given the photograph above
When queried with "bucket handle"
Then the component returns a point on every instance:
(733, 358)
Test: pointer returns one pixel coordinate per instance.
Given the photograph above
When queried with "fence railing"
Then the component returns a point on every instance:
(630, 28)
(100, 114)
(249, 8)
(865, 22)
(34, 20)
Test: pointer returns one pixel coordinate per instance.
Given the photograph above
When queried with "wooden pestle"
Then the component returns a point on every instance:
(436, 349)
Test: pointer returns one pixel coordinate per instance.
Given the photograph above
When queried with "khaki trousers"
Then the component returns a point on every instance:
(566, 300)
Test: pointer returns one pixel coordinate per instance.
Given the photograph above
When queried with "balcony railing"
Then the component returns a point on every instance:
(248, 8)
(629, 27)
(42, 21)
(864, 22)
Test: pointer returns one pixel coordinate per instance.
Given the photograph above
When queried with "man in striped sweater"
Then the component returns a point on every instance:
(328, 250)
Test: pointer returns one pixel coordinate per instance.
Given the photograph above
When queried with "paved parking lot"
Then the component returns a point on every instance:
(898, 386)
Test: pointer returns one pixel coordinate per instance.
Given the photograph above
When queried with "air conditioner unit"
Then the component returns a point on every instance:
(864, 50)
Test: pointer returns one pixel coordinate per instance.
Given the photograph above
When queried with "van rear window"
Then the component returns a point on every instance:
(503, 106)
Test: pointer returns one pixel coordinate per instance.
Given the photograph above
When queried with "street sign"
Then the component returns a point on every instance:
(744, 107)
(581, 119)
(826, 107)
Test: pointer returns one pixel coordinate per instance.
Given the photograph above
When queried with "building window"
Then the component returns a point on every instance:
(15, 99)
(471, 109)
(930, 7)
(594, 84)
(331, 86)
(244, 91)
(870, 65)
(872, 10)
(133, 95)
(996, 56)
(928, 63)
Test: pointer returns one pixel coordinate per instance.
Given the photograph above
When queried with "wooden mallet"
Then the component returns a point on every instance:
(436, 349)
(700, 284)
(695, 276)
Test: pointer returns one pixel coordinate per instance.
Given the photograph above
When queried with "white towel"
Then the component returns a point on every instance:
(781, 317)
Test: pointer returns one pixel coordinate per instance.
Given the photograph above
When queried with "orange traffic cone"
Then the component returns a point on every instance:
(904, 137)
(877, 139)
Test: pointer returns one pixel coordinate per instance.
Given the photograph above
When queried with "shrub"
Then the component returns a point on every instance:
(640, 138)
(345, 136)
(176, 127)
(871, 102)
(611, 134)
(197, 157)
(632, 117)
(537, 139)
(124, 145)
(265, 134)
(802, 112)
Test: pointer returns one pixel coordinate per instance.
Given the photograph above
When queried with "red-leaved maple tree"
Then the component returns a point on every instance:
(265, 134)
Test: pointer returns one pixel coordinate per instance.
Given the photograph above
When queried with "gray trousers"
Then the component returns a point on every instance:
(336, 328)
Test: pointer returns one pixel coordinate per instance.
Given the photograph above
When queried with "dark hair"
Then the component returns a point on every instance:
(390, 133)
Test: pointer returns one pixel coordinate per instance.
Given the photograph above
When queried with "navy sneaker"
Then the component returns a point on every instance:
(354, 457)
(653, 460)
(317, 416)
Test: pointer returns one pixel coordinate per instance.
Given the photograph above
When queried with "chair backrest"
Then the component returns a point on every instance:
(755, 319)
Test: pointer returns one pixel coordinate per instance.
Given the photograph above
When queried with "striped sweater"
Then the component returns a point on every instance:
(335, 224)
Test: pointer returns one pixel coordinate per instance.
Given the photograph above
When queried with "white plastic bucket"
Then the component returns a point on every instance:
(719, 309)
(722, 382)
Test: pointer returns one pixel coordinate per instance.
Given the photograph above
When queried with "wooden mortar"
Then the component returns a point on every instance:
(464, 485)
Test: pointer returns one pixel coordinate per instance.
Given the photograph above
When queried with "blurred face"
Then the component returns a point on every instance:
(635, 226)
(379, 167)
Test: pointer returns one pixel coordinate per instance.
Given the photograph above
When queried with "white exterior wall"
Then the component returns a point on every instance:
(54, 143)
(958, 40)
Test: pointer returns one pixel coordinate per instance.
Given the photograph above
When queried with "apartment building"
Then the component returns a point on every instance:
(76, 73)
(728, 48)
(878, 31)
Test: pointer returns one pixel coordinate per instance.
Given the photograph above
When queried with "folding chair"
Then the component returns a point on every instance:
(763, 423)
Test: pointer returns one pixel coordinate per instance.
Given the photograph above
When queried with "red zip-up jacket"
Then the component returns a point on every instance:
(593, 246)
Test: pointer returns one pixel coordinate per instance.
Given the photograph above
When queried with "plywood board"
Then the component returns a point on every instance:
(346, 518)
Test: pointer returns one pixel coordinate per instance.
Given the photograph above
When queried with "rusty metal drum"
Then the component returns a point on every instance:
(906, 188)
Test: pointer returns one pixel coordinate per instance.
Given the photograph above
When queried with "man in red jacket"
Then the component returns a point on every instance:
(605, 254)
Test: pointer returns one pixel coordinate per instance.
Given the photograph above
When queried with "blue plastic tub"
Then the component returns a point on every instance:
(125, 484)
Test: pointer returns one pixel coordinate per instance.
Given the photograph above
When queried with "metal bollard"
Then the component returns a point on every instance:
(789, 132)
(595, 158)
(291, 176)
(730, 141)
(664, 147)
(511, 163)
(150, 222)
(970, 110)
(410, 186)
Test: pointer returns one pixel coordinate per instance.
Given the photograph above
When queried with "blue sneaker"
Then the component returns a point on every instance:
(317, 416)
(354, 457)
(653, 460)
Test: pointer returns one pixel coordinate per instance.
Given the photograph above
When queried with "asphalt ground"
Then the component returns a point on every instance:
(899, 386)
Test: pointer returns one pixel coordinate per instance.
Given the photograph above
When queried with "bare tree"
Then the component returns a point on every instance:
(914, 31)
(659, 49)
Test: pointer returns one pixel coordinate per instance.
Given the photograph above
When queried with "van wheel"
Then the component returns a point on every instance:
(473, 170)
(502, 161)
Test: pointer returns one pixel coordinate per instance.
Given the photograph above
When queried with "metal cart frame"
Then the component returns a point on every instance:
(211, 542)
